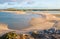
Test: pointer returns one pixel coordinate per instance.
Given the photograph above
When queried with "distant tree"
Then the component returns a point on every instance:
(11, 9)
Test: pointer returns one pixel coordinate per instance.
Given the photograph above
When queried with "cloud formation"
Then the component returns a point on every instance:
(55, 4)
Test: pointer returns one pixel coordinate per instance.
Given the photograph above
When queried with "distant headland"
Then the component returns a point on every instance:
(13, 9)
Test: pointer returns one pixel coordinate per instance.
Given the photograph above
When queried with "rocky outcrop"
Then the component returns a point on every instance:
(46, 34)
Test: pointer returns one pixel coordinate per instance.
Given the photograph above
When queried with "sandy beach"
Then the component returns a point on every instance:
(15, 12)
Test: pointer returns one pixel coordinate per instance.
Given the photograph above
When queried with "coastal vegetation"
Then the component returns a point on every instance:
(14, 9)
(10, 35)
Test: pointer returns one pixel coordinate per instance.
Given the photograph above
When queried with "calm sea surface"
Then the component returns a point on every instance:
(20, 21)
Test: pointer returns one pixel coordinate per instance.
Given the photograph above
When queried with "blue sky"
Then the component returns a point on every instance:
(38, 4)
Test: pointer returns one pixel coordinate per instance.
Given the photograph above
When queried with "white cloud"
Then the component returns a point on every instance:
(32, 4)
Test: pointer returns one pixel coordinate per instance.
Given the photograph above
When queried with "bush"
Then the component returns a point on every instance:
(10, 35)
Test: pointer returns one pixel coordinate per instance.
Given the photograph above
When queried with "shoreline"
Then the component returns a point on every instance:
(15, 12)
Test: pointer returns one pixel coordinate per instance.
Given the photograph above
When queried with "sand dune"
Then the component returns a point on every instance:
(4, 29)
(3, 26)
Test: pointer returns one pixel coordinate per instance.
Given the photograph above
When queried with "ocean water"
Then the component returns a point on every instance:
(16, 21)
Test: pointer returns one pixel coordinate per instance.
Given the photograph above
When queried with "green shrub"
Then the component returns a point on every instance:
(10, 35)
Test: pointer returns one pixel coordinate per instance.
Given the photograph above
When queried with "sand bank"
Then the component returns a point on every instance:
(15, 12)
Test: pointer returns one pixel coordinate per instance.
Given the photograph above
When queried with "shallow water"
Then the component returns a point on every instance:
(19, 21)
(16, 21)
